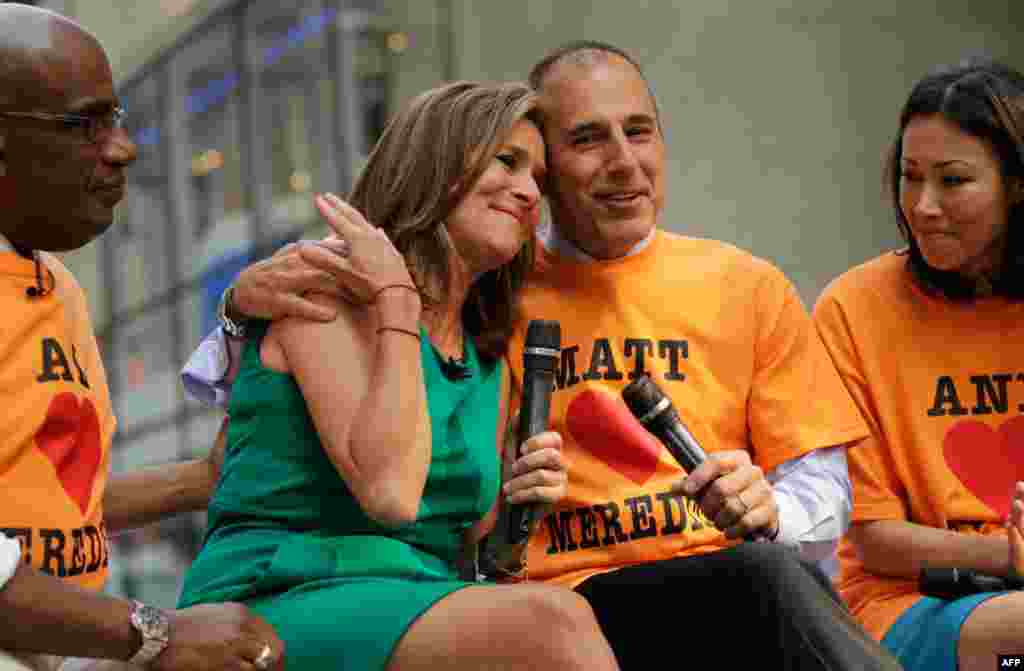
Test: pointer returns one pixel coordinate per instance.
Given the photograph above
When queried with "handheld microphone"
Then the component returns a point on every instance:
(655, 412)
(951, 584)
(541, 353)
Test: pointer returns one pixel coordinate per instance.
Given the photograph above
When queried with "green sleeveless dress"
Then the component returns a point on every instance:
(286, 537)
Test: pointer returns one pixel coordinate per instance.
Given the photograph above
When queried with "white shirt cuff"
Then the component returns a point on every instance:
(10, 557)
(794, 520)
(204, 375)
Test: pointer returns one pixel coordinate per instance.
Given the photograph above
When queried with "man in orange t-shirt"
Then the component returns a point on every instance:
(63, 155)
(727, 338)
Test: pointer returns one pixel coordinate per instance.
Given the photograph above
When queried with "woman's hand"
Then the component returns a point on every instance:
(540, 476)
(372, 265)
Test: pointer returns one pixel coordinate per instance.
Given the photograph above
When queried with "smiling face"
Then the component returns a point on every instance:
(496, 217)
(607, 155)
(65, 186)
(953, 197)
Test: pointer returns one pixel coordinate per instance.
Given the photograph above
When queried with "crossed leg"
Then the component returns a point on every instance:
(497, 627)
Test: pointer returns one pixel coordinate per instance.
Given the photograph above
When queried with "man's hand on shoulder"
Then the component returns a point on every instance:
(276, 287)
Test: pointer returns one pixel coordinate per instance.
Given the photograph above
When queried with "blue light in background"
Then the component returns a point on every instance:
(216, 91)
(298, 34)
(148, 136)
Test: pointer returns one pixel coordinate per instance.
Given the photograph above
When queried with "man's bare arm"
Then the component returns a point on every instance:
(150, 494)
(43, 614)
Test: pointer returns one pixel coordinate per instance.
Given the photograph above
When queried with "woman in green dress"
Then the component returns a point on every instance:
(363, 456)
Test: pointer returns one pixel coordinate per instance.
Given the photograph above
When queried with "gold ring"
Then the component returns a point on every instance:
(262, 662)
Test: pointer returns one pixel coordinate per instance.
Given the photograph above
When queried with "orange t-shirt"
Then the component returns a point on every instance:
(56, 425)
(725, 335)
(942, 386)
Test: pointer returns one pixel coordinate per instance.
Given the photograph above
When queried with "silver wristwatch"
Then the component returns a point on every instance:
(155, 628)
(232, 327)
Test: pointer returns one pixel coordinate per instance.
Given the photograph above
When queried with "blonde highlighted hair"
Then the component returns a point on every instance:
(428, 158)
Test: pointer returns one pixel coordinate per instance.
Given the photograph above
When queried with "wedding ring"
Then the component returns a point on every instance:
(263, 661)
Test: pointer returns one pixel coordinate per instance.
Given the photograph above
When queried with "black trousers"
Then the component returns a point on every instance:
(752, 606)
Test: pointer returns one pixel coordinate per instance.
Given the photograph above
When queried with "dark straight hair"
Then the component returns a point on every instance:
(985, 99)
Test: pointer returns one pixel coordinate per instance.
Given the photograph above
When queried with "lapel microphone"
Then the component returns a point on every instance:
(455, 369)
(40, 289)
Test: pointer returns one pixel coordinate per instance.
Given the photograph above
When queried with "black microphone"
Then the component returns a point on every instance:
(454, 369)
(951, 584)
(654, 410)
(40, 289)
(540, 358)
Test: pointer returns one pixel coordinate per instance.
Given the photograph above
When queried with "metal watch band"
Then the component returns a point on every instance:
(154, 627)
(232, 327)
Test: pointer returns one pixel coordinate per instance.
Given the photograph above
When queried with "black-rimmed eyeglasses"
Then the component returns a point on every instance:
(96, 126)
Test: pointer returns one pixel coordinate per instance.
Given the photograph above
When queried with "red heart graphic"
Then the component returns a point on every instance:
(602, 425)
(988, 462)
(70, 439)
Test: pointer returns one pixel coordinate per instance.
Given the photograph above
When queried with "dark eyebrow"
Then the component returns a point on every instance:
(597, 126)
(641, 119)
(940, 164)
(585, 127)
(514, 149)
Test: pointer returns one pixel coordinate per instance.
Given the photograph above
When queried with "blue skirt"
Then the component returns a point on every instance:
(925, 637)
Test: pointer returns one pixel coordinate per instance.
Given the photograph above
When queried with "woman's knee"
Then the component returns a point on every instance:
(994, 627)
(560, 618)
(559, 609)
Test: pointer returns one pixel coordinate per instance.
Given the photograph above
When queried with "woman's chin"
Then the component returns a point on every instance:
(500, 256)
(941, 258)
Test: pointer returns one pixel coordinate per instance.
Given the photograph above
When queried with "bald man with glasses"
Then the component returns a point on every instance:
(63, 155)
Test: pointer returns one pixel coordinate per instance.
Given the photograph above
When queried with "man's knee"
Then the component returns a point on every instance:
(760, 558)
(777, 569)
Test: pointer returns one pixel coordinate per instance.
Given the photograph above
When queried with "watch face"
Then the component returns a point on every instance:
(151, 621)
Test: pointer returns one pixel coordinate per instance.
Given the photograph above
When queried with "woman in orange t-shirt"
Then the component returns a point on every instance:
(930, 343)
